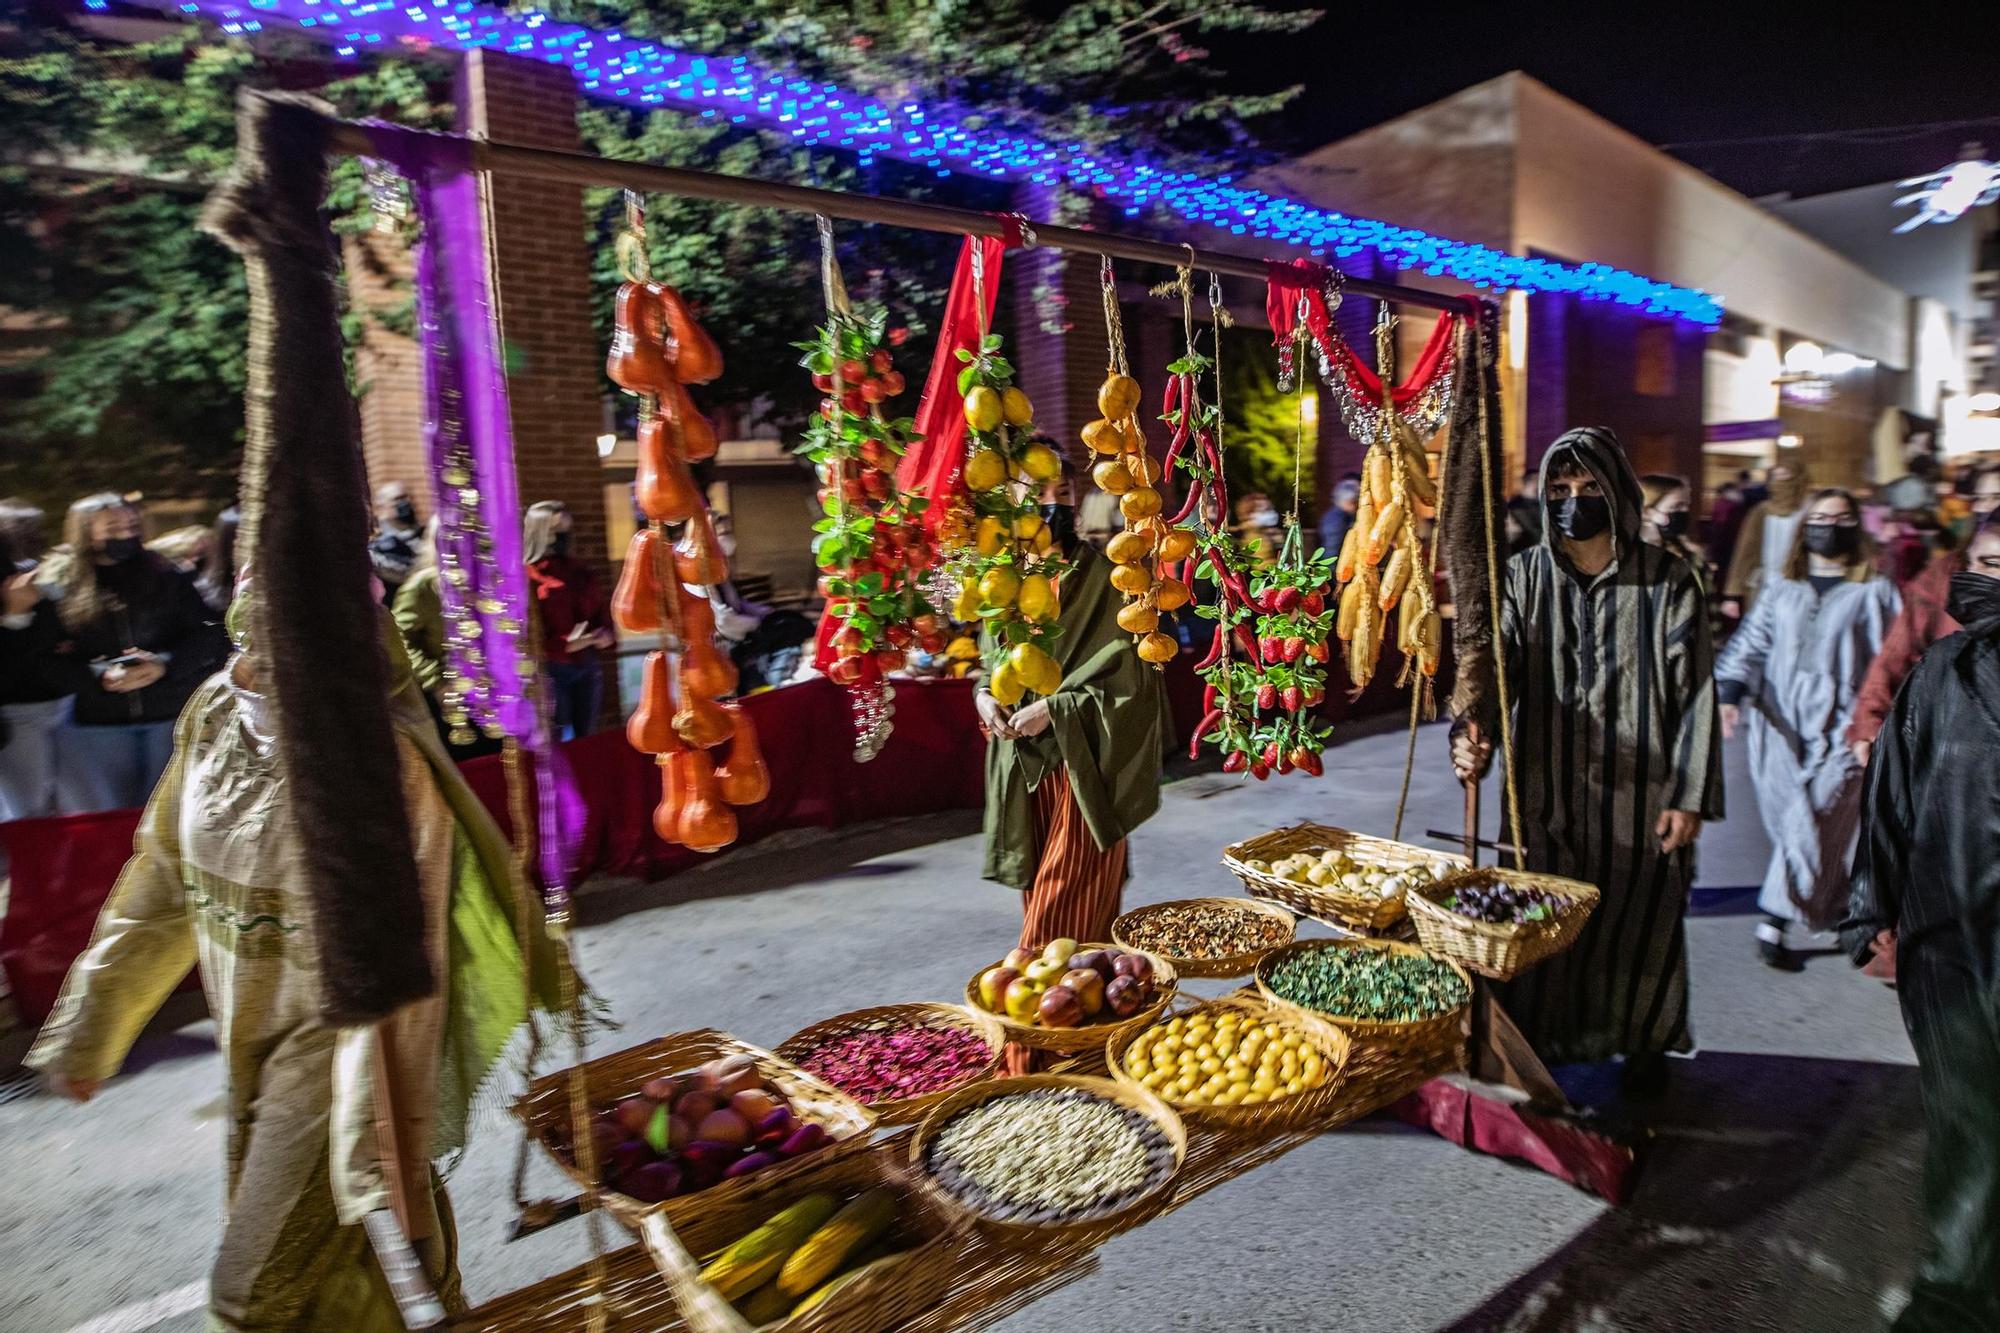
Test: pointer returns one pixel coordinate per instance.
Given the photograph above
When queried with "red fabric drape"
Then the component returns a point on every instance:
(1284, 284)
(933, 463)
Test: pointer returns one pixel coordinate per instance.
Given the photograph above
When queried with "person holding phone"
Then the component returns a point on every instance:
(574, 614)
(137, 638)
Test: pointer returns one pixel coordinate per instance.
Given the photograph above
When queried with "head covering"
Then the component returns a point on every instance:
(1596, 450)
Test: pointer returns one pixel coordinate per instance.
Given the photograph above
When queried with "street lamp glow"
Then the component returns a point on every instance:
(1804, 358)
(605, 444)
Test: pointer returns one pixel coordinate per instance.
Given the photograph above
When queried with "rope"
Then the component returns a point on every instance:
(1299, 336)
(1482, 351)
(1114, 320)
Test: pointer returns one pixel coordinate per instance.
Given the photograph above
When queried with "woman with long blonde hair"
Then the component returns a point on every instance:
(1790, 676)
(137, 640)
(574, 615)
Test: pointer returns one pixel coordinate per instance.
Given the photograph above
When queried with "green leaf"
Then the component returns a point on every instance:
(962, 354)
(990, 343)
(965, 379)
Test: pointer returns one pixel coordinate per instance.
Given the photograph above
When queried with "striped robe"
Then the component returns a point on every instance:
(1615, 723)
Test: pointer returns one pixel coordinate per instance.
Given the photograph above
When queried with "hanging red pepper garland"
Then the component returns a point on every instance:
(657, 350)
(872, 548)
(928, 474)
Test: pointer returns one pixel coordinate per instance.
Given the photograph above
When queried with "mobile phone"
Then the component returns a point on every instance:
(129, 660)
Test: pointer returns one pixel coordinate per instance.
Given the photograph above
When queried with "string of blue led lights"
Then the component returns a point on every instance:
(615, 67)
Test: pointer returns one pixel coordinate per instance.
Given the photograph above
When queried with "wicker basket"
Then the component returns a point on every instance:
(1494, 949)
(1091, 1036)
(1330, 904)
(1287, 1113)
(1438, 1031)
(544, 1108)
(1233, 965)
(905, 1110)
(1086, 1230)
(930, 1236)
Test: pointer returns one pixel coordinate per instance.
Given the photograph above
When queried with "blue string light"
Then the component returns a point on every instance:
(618, 67)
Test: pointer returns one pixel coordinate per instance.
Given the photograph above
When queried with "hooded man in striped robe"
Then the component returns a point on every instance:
(1610, 670)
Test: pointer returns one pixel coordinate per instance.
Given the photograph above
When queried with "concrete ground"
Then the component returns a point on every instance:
(1778, 1193)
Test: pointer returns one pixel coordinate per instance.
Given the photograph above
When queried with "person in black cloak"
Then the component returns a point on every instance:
(1927, 913)
(1618, 759)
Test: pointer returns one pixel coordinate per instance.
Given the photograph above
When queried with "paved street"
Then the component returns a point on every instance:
(1777, 1195)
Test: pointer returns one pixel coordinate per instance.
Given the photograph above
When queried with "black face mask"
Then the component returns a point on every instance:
(1831, 540)
(406, 513)
(1674, 525)
(120, 549)
(1581, 517)
(1973, 597)
(559, 544)
(1061, 519)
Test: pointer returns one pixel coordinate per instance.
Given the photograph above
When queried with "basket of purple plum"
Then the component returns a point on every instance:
(1498, 922)
(692, 1118)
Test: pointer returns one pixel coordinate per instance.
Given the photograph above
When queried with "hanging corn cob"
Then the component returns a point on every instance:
(657, 350)
(1011, 568)
(1382, 564)
(1148, 546)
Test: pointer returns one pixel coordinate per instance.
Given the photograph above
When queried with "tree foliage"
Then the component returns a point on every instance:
(1263, 452)
(139, 375)
(133, 376)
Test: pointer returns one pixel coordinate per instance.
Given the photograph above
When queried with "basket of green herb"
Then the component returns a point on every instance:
(1379, 990)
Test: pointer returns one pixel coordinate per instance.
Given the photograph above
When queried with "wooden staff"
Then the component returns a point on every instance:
(411, 1214)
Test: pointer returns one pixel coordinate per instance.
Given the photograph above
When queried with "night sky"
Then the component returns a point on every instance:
(1670, 73)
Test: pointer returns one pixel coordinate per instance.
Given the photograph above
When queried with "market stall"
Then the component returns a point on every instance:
(875, 1171)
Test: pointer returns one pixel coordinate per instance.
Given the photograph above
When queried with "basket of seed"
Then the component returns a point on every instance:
(1498, 922)
(1207, 937)
(1239, 1062)
(1051, 1156)
(1340, 878)
(1377, 990)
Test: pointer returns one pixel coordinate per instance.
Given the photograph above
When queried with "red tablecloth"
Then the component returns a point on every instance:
(62, 869)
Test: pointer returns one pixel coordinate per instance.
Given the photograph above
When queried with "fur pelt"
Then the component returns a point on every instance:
(313, 615)
(1473, 513)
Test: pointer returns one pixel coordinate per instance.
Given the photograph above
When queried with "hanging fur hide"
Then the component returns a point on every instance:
(1472, 513)
(314, 620)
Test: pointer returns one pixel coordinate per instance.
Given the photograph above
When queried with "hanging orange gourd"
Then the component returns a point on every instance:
(706, 824)
(635, 605)
(705, 672)
(657, 349)
(650, 729)
(743, 778)
(693, 354)
(637, 362)
(665, 488)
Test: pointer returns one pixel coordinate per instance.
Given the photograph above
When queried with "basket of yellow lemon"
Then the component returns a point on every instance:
(1239, 1062)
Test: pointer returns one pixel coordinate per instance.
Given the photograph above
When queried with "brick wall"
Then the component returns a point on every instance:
(541, 268)
(387, 367)
(1060, 370)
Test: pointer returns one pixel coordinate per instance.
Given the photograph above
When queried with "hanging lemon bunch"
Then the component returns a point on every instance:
(1011, 571)
(1382, 562)
(1140, 553)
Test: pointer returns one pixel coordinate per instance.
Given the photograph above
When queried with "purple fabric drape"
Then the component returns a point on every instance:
(469, 440)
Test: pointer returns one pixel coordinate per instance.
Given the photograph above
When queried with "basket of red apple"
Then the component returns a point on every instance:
(1072, 997)
(692, 1118)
